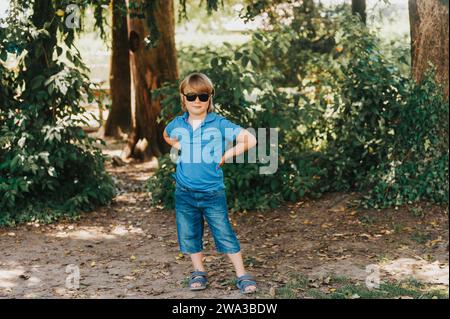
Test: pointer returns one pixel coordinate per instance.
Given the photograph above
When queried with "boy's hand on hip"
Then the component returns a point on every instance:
(221, 161)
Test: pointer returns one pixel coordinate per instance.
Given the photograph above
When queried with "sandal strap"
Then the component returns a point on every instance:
(200, 280)
(198, 274)
(198, 277)
(245, 280)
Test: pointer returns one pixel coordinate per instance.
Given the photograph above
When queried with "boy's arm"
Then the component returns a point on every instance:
(244, 141)
(172, 142)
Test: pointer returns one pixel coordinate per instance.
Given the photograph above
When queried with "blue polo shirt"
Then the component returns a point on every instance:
(201, 150)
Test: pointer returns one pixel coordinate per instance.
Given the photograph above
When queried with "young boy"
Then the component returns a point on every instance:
(201, 135)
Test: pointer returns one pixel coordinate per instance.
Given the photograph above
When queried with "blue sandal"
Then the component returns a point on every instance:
(198, 277)
(245, 281)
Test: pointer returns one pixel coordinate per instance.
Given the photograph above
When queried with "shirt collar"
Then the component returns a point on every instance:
(209, 117)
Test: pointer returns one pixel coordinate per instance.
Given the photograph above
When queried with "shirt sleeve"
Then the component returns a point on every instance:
(169, 128)
(229, 129)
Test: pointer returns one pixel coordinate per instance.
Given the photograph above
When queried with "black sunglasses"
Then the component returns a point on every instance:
(191, 97)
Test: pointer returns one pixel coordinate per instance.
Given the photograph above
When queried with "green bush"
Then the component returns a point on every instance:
(352, 122)
(300, 171)
(416, 167)
(390, 135)
(49, 167)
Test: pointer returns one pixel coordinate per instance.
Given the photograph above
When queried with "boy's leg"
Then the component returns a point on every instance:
(190, 226)
(236, 260)
(197, 262)
(216, 214)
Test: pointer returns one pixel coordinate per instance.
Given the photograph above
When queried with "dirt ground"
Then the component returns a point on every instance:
(129, 249)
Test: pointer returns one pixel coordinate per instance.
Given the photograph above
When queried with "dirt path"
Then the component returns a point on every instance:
(129, 250)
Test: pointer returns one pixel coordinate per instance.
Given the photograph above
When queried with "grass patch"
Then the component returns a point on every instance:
(340, 287)
(367, 220)
(293, 288)
(185, 282)
(417, 212)
(420, 237)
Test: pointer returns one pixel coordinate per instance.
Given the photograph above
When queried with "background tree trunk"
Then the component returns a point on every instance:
(359, 7)
(119, 118)
(38, 62)
(429, 38)
(150, 69)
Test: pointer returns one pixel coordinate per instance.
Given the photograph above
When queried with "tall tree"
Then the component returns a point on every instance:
(153, 61)
(152, 64)
(359, 7)
(429, 23)
(119, 118)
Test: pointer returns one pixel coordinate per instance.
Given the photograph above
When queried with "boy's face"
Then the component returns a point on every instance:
(196, 107)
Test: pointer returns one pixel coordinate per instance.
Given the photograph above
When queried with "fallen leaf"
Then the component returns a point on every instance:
(24, 276)
(179, 256)
(272, 291)
(367, 236)
(129, 277)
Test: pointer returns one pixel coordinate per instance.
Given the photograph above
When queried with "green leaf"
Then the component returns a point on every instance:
(245, 61)
(3, 55)
(37, 82)
(215, 62)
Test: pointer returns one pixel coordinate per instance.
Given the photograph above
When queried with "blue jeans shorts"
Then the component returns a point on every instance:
(192, 208)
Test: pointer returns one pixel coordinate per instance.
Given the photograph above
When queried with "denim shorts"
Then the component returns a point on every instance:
(192, 208)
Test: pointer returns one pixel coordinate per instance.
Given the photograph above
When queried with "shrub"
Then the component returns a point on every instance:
(49, 167)
(354, 122)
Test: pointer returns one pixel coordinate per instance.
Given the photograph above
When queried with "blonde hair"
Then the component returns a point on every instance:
(200, 83)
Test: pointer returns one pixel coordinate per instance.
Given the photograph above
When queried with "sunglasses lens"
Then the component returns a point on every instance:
(203, 97)
(191, 97)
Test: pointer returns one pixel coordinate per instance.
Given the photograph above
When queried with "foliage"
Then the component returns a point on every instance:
(417, 160)
(390, 136)
(348, 118)
(237, 78)
(48, 166)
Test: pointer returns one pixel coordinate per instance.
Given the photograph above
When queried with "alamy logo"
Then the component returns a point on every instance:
(73, 279)
(203, 147)
(373, 279)
(73, 16)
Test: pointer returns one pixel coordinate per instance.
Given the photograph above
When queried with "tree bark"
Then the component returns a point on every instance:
(119, 118)
(359, 7)
(149, 70)
(40, 57)
(429, 23)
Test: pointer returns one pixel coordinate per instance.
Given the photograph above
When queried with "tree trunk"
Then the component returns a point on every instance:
(40, 58)
(429, 38)
(149, 70)
(359, 7)
(119, 118)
